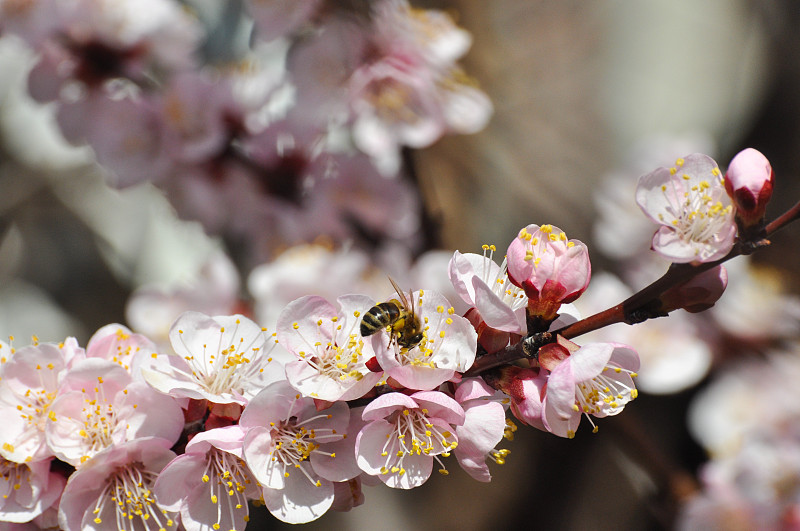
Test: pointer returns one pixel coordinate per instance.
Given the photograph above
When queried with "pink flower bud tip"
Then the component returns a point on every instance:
(749, 184)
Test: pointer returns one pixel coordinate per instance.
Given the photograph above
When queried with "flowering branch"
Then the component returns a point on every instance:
(642, 305)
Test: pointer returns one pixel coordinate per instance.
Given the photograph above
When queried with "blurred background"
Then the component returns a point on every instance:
(586, 97)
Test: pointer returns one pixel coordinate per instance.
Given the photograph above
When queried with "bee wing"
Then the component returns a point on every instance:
(403, 299)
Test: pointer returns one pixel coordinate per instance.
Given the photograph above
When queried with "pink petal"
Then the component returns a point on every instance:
(387, 404)
(440, 405)
(300, 501)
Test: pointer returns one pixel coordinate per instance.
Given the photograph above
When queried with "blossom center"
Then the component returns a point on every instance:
(128, 502)
(511, 295)
(339, 358)
(607, 393)
(229, 365)
(434, 330)
(703, 207)
(294, 443)
(14, 475)
(413, 433)
(227, 478)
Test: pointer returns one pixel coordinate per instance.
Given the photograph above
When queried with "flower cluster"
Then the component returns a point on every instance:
(298, 418)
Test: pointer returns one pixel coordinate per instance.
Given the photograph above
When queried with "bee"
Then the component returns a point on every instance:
(398, 316)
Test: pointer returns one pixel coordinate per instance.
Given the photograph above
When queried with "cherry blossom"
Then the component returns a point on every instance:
(29, 385)
(296, 272)
(689, 202)
(594, 379)
(401, 102)
(99, 405)
(117, 343)
(448, 345)
(210, 484)
(94, 41)
(486, 286)
(433, 35)
(405, 434)
(331, 353)
(748, 182)
(287, 449)
(756, 488)
(484, 427)
(549, 267)
(223, 359)
(27, 489)
(413, 92)
(757, 307)
(115, 488)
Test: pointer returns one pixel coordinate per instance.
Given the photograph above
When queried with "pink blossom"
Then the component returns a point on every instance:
(412, 92)
(115, 342)
(27, 489)
(399, 101)
(448, 345)
(483, 284)
(748, 182)
(29, 384)
(192, 108)
(401, 29)
(690, 204)
(133, 154)
(210, 484)
(594, 379)
(99, 405)
(551, 269)
(331, 353)
(296, 272)
(116, 486)
(132, 37)
(288, 450)
(223, 359)
(405, 434)
(483, 428)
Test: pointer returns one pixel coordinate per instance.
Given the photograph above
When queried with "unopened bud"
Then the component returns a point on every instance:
(749, 184)
(525, 387)
(698, 294)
